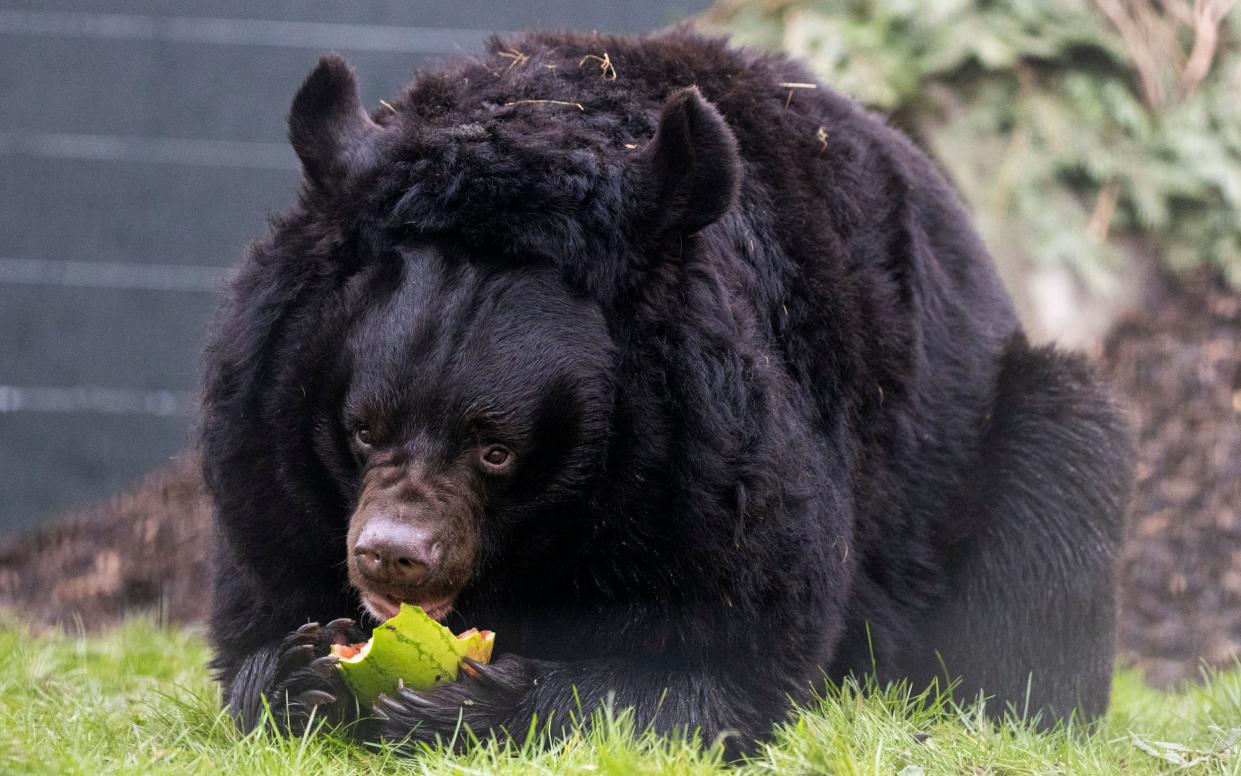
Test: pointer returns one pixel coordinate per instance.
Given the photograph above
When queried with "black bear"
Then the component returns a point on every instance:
(695, 390)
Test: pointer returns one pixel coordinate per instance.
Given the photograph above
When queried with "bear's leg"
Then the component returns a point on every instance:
(268, 657)
(296, 679)
(1028, 621)
(501, 699)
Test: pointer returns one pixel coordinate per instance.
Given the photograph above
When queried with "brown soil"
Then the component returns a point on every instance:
(1178, 365)
(145, 551)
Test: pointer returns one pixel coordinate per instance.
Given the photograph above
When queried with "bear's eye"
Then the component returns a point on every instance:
(363, 437)
(497, 457)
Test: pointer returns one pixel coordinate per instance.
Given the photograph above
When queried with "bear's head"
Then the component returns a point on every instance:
(474, 401)
(468, 407)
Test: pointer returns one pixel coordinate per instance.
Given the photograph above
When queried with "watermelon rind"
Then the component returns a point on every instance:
(414, 650)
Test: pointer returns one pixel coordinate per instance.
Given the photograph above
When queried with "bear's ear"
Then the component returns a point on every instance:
(690, 171)
(329, 129)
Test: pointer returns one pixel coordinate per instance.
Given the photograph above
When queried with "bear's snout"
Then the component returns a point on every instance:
(412, 537)
(390, 552)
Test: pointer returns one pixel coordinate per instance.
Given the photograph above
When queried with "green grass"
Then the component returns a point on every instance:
(138, 700)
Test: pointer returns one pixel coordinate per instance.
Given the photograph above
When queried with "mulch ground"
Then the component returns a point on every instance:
(1177, 364)
(145, 551)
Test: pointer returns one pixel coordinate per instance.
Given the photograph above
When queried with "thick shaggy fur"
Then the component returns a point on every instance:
(779, 415)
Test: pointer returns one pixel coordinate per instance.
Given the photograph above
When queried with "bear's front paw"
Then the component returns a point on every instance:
(307, 685)
(485, 699)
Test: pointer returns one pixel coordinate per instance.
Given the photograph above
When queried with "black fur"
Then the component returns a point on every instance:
(774, 414)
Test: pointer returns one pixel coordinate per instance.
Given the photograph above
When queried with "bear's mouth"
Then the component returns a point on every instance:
(385, 607)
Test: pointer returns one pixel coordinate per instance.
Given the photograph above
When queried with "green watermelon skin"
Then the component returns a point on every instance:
(413, 650)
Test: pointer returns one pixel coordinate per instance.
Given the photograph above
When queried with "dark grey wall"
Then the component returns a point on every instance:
(141, 142)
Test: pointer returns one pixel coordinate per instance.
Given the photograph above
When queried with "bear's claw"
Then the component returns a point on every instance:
(478, 700)
(306, 684)
(316, 697)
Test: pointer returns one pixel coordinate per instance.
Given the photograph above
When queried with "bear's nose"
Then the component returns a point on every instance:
(395, 553)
